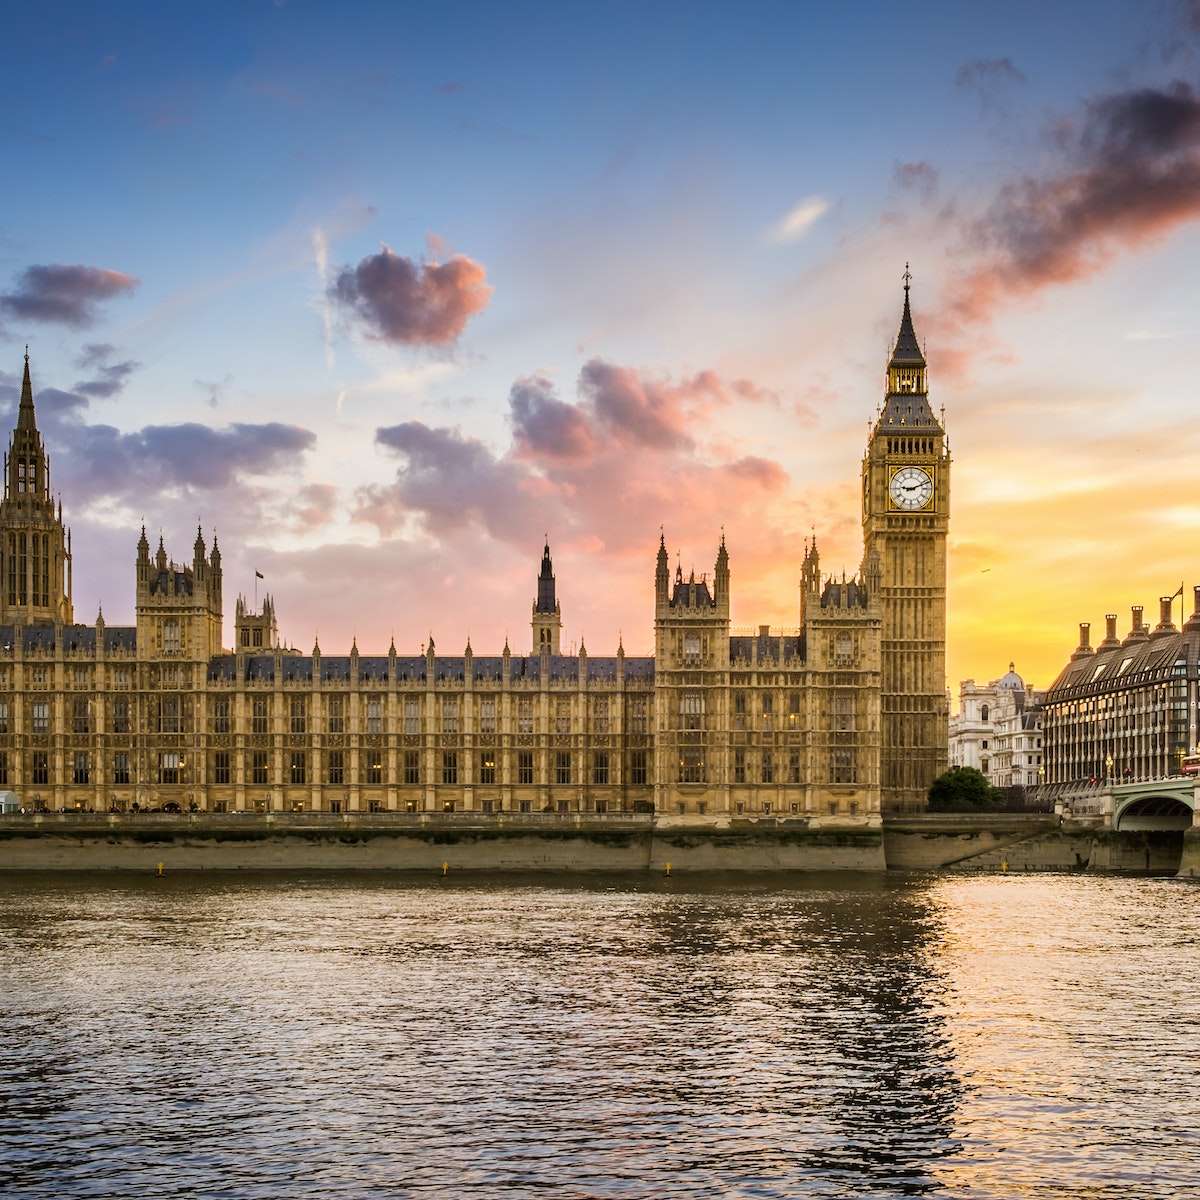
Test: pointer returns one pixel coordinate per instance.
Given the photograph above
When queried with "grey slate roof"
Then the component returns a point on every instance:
(1136, 660)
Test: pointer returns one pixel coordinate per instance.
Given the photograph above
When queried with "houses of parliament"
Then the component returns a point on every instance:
(837, 721)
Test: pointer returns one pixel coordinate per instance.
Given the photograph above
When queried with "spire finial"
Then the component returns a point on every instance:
(907, 278)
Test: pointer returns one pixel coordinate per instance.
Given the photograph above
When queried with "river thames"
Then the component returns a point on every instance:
(278, 1036)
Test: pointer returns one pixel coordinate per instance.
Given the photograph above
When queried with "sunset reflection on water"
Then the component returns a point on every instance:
(359, 1036)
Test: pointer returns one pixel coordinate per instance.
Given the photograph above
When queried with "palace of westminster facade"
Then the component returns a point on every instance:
(840, 720)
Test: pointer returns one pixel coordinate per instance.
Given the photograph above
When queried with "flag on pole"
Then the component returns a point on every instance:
(1178, 593)
(258, 574)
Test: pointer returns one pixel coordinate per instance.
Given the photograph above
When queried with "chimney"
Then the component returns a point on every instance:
(1138, 631)
(1085, 646)
(1165, 604)
(1110, 630)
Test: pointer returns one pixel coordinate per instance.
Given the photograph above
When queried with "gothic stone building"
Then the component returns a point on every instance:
(842, 718)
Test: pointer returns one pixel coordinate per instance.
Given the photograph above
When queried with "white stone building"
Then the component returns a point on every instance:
(998, 730)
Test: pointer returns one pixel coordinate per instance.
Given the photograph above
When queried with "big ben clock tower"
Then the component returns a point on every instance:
(906, 514)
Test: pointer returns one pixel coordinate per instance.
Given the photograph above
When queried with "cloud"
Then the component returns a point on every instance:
(315, 506)
(1132, 176)
(190, 455)
(402, 302)
(545, 425)
(65, 295)
(451, 480)
(109, 378)
(620, 407)
(918, 177)
(146, 464)
(987, 78)
(636, 408)
(632, 444)
(214, 390)
(800, 220)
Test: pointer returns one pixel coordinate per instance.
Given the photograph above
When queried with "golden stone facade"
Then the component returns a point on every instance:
(835, 721)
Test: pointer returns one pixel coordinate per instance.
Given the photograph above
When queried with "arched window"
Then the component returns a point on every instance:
(983, 713)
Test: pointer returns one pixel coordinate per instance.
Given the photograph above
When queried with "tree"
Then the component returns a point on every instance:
(964, 789)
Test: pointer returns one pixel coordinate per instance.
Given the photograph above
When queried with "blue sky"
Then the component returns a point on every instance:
(643, 264)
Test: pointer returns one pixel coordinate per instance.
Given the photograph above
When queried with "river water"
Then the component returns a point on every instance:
(277, 1036)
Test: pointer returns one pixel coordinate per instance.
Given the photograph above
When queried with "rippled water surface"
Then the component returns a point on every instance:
(829, 1036)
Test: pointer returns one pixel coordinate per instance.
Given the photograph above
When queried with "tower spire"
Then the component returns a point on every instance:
(38, 575)
(908, 350)
(25, 416)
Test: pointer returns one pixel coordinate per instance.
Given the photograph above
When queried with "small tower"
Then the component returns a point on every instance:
(255, 632)
(35, 549)
(547, 616)
(178, 606)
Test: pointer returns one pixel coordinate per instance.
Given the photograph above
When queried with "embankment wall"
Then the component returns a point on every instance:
(1025, 842)
(425, 843)
(576, 842)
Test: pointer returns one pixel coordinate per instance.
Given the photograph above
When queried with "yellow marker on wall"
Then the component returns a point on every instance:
(668, 868)
(445, 868)
(160, 868)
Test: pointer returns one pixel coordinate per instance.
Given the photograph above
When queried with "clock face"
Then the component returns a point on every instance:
(911, 488)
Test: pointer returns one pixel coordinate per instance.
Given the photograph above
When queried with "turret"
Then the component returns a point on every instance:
(810, 580)
(547, 615)
(721, 576)
(662, 573)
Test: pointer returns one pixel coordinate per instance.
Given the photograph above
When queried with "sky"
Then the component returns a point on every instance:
(384, 294)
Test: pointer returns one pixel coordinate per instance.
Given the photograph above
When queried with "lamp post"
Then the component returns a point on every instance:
(1108, 767)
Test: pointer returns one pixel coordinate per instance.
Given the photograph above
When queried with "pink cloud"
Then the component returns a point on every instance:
(403, 302)
(619, 458)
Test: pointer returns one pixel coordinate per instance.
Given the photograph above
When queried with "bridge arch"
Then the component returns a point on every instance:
(1154, 808)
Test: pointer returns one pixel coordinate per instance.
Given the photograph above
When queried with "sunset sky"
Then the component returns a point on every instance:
(384, 293)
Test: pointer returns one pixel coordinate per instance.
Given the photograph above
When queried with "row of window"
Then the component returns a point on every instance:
(170, 714)
(170, 768)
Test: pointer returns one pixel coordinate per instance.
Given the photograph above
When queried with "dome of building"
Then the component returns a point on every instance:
(1012, 682)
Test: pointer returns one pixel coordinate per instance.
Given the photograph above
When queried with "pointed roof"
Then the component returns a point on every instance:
(25, 417)
(908, 349)
(545, 602)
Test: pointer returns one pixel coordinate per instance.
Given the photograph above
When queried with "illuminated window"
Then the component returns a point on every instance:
(487, 767)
